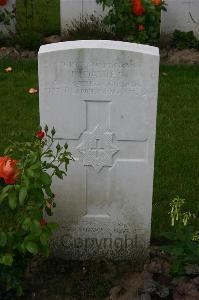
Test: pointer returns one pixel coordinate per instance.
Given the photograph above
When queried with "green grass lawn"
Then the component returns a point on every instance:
(44, 17)
(19, 109)
(177, 143)
(176, 163)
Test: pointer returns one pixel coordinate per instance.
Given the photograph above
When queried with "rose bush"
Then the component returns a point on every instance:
(137, 7)
(26, 172)
(3, 2)
(134, 20)
(8, 169)
(6, 16)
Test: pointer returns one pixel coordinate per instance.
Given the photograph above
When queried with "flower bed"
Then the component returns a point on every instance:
(26, 172)
(134, 20)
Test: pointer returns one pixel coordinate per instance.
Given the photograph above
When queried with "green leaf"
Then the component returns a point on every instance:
(45, 179)
(53, 131)
(32, 247)
(48, 211)
(59, 174)
(26, 223)
(3, 196)
(30, 173)
(140, 19)
(22, 195)
(44, 239)
(178, 250)
(7, 260)
(19, 291)
(169, 235)
(25, 180)
(35, 166)
(12, 200)
(46, 128)
(58, 147)
(33, 158)
(3, 239)
(52, 226)
(49, 192)
(35, 228)
(177, 269)
(7, 188)
(45, 250)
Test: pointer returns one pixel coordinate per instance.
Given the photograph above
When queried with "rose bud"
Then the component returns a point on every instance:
(43, 222)
(40, 134)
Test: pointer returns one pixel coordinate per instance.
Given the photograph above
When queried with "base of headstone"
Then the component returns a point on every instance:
(90, 240)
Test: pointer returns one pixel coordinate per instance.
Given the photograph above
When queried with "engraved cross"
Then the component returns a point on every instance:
(97, 147)
(99, 151)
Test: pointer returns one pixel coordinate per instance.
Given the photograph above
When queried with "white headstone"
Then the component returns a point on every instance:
(182, 15)
(101, 96)
(10, 6)
(75, 9)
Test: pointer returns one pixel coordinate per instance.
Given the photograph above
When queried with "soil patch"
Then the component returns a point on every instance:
(168, 56)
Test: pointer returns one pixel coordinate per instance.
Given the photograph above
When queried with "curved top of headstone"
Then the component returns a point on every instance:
(99, 44)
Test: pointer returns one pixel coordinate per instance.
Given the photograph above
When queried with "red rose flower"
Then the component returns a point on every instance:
(156, 2)
(40, 134)
(137, 7)
(43, 222)
(8, 170)
(141, 27)
(3, 2)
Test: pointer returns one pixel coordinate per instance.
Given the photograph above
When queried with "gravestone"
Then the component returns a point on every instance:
(75, 9)
(101, 96)
(182, 15)
(10, 6)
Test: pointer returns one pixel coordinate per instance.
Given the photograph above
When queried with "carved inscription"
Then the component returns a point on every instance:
(72, 78)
